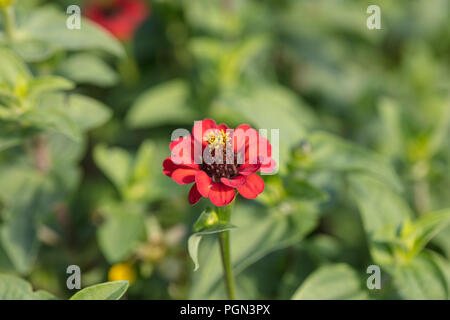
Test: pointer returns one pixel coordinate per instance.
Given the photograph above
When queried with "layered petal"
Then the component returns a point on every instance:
(182, 151)
(220, 194)
(253, 186)
(184, 175)
(194, 195)
(268, 166)
(234, 182)
(169, 166)
(242, 136)
(222, 126)
(204, 183)
(248, 169)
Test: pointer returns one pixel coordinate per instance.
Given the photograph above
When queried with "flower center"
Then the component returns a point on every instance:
(219, 139)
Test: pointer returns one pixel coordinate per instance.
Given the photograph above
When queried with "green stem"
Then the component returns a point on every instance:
(224, 243)
(128, 67)
(8, 22)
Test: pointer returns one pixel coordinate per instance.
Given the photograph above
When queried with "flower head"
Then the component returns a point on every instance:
(219, 161)
(120, 17)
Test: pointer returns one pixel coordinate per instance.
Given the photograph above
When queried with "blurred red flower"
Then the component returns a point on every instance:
(242, 151)
(120, 17)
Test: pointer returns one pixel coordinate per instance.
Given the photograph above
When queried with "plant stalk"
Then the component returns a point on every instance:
(224, 244)
(8, 22)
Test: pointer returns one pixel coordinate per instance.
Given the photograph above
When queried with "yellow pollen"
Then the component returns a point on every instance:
(217, 138)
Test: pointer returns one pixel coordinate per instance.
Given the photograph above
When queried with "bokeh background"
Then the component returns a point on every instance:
(364, 119)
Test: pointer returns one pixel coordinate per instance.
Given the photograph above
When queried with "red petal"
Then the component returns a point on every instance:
(179, 146)
(184, 176)
(263, 143)
(223, 127)
(221, 195)
(269, 166)
(204, 183)
(235, 182)
(194, 195)
(242, 138)
(175, 142)
(248, 169)
(252, 187)
(169, 167)
(244, 127)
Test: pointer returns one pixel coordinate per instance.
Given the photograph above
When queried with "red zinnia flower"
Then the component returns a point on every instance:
(120, 17)
(241, 152)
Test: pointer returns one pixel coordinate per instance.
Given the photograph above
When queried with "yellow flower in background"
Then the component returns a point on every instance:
(6, 3)
(122, 271)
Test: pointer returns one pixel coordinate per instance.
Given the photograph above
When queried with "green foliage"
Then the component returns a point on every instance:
(88, 69)
(364, 150)
(14, 288)
(43, 33)
(103, 291)
(164, 104)
(122, 231)
(208, 223)
(334, 282)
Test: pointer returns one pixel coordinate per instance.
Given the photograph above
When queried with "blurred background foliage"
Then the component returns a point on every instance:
(364, 117)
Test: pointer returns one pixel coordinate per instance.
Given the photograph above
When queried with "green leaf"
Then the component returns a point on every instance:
(425, 277)
(14, 288)
(383, 211)
(332, 282)
(261, 231)
(9, 137)
(379, 205)
(333, 153)
(19, 233)
(416, 235)
(193, 244)
(163, 104)
(42, 85)
(77, 107)
(12, 68)
(28, 197)
(122, 232)
(269, 106)
(391, 136)
(103, 291)
(304, 190)
(90, 69)
(233, 62)
(53, 119)
(48, 24)
(32, 50)
(442, 240)
(116, 164)
(207, 223)
(144, 174)
(88, 113)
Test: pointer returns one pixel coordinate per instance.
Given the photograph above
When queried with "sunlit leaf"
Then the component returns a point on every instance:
(334, 282)
(103, 291)
(165, 103)
(14, 288)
